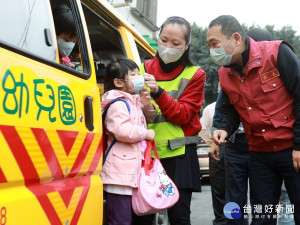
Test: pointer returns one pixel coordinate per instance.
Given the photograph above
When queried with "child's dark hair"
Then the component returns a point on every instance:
(64, 20)
(117, 68)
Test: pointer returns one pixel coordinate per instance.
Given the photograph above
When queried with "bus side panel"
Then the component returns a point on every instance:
(50, 163)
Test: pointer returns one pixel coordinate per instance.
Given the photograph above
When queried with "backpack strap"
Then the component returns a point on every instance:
(103, 118)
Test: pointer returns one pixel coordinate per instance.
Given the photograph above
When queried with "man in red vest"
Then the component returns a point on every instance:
(262, 83)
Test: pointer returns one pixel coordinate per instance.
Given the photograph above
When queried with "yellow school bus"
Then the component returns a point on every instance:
(50, 124)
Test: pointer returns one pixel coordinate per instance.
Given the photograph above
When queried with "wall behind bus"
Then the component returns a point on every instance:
(141, 14)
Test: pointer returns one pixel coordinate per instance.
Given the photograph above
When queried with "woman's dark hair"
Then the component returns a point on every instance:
(117, 68)
(64, 20)
(259, 34)
(229, 25)
(185, 58)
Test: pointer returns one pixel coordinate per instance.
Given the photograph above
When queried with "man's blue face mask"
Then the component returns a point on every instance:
(219, 55)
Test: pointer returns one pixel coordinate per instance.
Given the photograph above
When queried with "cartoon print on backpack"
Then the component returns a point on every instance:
(166, 185)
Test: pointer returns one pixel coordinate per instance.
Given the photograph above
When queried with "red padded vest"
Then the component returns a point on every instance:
(261, 99)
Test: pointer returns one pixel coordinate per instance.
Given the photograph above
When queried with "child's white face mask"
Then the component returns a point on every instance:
(138, 84)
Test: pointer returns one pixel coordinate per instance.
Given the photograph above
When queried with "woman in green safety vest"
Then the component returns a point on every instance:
(177, 89)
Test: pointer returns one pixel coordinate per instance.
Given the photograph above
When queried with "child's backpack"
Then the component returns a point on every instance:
(105, 149)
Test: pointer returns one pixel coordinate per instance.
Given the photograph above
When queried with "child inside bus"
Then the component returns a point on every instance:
(66, 32)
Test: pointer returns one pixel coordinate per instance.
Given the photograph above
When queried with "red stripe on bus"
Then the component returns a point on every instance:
(20, 153)
(82, 200)
(49, 154)
(47, 207)
(67, 139)
(41, 190)
(96, 158)
(82, 154)
(2, 177)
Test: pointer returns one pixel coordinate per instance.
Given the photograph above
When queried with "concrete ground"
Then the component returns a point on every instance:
(201, 206)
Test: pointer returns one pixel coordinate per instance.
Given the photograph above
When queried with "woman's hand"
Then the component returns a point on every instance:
(151, 83)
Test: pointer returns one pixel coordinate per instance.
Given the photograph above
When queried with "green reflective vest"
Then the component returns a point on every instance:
(169, 138)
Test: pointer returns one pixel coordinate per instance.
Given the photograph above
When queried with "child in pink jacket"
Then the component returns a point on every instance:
(122, 166)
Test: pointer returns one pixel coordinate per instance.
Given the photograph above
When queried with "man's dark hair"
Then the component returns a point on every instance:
(185, 59)
(229, 25)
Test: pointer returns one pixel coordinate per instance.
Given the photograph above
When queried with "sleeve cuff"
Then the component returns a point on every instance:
(150, 114)
(296, 147)
(212, 129)
(158, 94)
(144, 134)
(228, 132)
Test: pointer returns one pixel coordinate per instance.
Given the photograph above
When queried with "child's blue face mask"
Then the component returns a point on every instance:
(65, 48)
(138, 84)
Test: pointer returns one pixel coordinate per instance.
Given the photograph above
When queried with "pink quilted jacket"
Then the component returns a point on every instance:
(123, 162)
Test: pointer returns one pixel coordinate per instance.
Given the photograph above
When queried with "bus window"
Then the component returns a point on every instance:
(144, 55)
(69, 45)
(26, 28)
(106, 41)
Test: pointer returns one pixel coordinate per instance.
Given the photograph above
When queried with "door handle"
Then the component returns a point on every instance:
(89, 114)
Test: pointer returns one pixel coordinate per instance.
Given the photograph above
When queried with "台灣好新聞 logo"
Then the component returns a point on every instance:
(232, 211)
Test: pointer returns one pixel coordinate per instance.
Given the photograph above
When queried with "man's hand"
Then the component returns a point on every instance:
(219, 137)
(296, 160)
(214, 151)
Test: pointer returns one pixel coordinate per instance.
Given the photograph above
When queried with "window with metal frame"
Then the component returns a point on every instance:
(26, 27)
(147, 9)
(144, 55)
(106, 41)
(70, 39)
